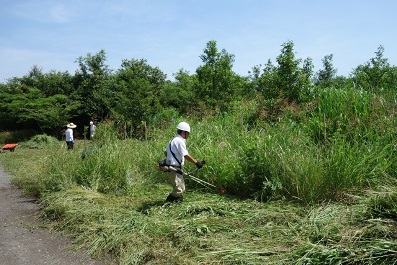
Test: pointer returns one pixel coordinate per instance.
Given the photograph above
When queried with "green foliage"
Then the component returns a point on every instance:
(282, 163)
(108, 166)
(179, 94)
(326, 76)
(331, 149)
(291, 79)
(137, 92)
(286, 80)
(265, 83)
(54, 83)
(272, 144)
(376, 74)
(216, 83)
(30, 107)
(49, 113)
(307, 158)
(164, 119)
(90, 89)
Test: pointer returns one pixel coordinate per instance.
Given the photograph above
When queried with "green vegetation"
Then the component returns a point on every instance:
(308, 161)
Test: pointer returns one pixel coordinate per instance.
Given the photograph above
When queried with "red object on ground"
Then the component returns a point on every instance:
(10, 147)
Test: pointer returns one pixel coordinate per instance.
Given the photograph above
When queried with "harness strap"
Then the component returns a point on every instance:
(180, 164)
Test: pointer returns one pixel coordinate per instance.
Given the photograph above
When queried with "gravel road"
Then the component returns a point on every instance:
(22, 238)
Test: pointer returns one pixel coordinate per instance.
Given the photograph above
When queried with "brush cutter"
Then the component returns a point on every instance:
(200, 181)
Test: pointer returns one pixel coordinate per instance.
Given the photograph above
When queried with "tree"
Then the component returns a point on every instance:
(136, 92)
(306, 93)
(291, 79)
(217, 84)
(268, 81)
(7, 120)
(48, 113)
(285, 80)
(90, 81)
(326, 76)
(30, 109)
(179, 94)
(376, 74)
(55, 83)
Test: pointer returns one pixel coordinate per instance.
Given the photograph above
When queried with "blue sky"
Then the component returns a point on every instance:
(172, 34)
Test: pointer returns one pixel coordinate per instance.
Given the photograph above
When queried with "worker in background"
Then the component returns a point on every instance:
(69, 135)
(92, 130)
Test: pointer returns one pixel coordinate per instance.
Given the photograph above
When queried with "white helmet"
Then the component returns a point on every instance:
(183, 126)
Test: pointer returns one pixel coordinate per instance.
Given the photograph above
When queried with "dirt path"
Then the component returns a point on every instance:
(23, 241)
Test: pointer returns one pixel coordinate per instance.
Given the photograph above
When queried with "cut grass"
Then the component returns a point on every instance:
(204, 229)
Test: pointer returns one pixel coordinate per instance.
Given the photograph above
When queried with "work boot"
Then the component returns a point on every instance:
(170, 198)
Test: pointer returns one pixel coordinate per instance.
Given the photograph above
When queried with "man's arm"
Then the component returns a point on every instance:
(190, 159)
(194, 161)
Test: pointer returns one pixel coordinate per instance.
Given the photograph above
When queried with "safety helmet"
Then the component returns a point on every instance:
(183, 126)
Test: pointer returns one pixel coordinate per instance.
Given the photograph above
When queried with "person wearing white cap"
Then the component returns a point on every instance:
(175, 154)
(92, 130)
(69, 135)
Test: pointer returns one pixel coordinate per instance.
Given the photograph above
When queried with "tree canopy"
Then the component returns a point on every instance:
(138, 93)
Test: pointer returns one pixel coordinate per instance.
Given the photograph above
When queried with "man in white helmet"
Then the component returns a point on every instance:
(176, 154)
(92, 130)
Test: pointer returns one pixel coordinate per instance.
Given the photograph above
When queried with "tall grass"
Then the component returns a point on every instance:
(286, 159)
(108, 164)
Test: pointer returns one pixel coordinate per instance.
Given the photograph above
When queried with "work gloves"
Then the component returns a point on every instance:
(200, 164)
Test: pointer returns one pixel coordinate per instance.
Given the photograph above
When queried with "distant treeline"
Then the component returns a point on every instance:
(138, 96)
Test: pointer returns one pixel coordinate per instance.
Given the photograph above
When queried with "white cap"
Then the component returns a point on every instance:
(183, 126)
